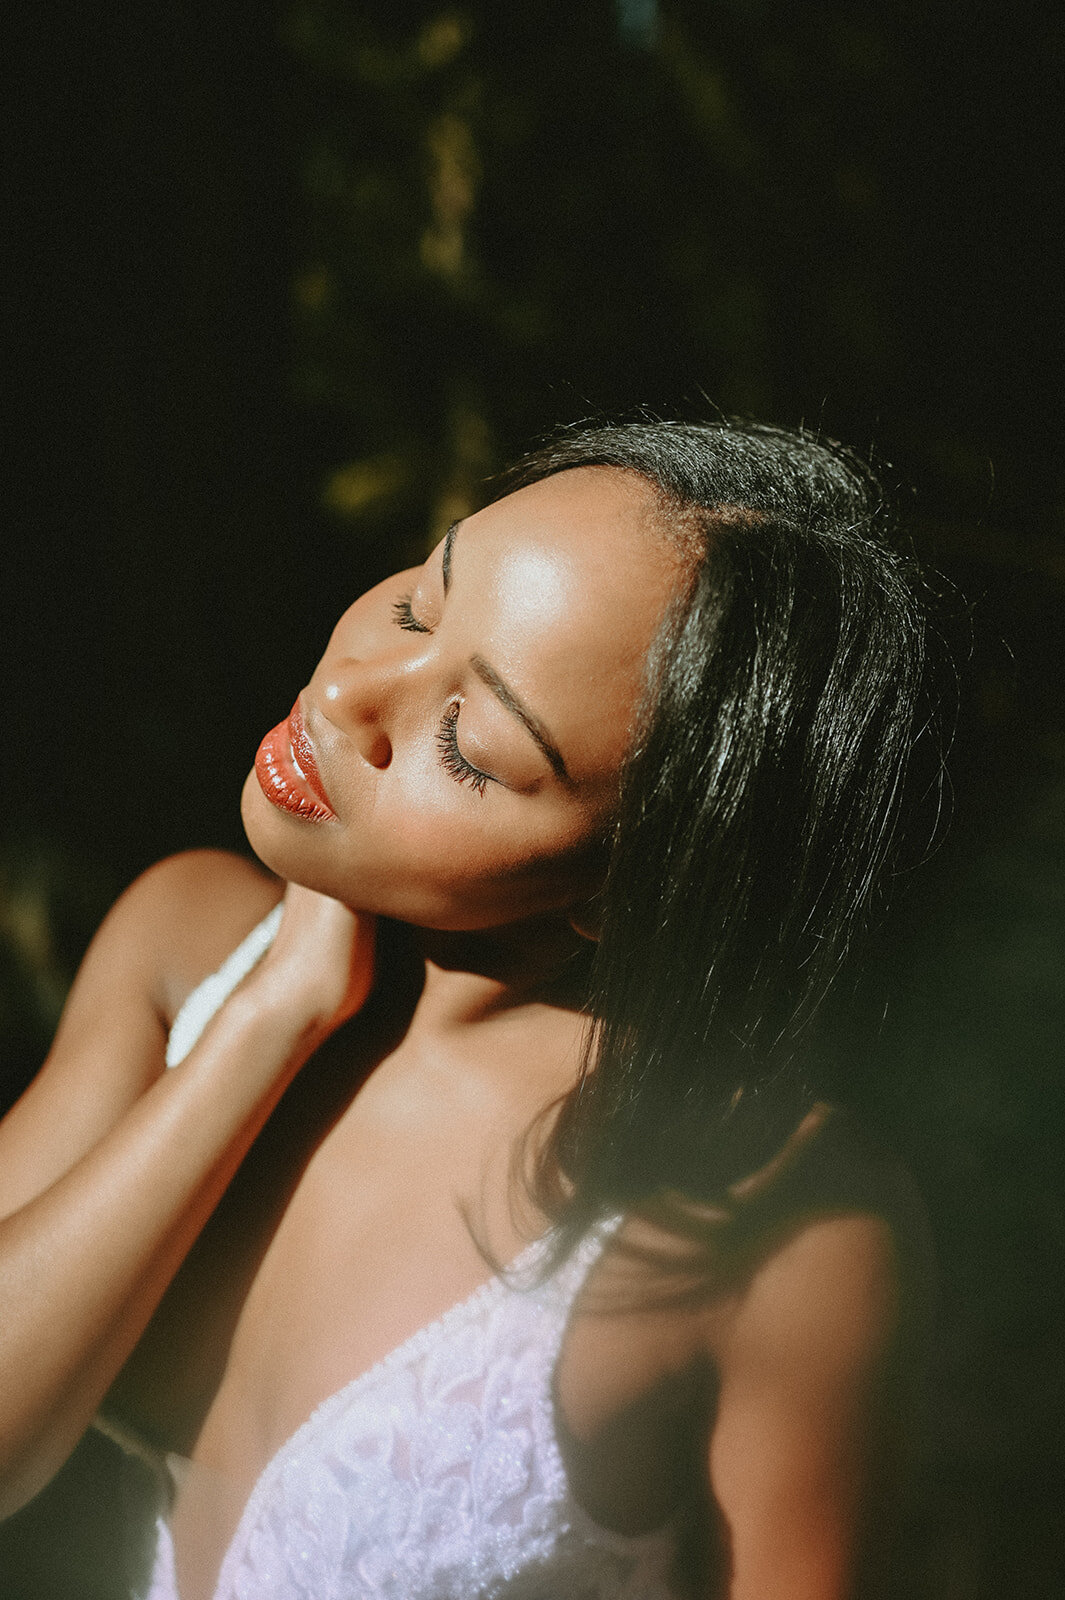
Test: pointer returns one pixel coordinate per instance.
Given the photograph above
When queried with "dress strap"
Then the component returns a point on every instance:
(565, 1284)
(210, 995)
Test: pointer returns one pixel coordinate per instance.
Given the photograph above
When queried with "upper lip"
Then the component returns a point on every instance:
(303, 754)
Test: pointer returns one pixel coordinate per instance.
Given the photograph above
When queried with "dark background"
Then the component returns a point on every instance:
(286, 284)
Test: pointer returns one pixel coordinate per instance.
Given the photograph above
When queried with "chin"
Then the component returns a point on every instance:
(304, 852)
(270, 833)
(294, 850)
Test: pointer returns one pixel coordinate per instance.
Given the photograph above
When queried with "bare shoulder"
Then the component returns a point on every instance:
(828, 1300)
(818, 1361)
(171, 927)
(188, 912)
(842, 1258)
(174, 924)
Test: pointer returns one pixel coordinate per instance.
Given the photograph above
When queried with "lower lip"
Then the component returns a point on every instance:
(284, 783)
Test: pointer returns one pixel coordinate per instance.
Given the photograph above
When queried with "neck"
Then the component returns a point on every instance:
(471, 976)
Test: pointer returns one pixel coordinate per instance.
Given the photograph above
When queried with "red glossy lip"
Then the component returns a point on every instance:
(303, 754)
(288, 773)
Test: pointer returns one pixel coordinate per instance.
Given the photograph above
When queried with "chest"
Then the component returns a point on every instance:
(373, 1290)
(397, 1220)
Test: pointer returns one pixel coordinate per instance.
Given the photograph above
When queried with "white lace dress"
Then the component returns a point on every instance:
(436, 1475)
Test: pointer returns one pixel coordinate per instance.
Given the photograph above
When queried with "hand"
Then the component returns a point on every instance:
(323, 957)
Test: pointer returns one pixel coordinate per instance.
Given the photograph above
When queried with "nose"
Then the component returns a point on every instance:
(360, 698)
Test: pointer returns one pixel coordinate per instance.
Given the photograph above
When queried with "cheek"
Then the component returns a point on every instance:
(472, 869)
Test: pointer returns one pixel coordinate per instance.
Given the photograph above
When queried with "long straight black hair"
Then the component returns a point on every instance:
(757, 811)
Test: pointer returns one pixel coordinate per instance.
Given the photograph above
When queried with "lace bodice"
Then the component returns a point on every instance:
(436, 1475)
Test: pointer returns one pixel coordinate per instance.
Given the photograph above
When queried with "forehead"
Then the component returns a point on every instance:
(572, 575)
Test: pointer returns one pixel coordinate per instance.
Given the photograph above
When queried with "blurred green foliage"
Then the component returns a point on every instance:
(513, 218)
(50, 905)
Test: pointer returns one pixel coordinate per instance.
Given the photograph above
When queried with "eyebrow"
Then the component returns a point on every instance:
(449, 542)
(508, 699)
(502, 691)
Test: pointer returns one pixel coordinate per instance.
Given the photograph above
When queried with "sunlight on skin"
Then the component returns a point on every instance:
(536, 589)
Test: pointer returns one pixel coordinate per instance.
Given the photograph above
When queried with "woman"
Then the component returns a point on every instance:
(617, 769)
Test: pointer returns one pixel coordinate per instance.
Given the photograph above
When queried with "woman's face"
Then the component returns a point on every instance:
(454, 760)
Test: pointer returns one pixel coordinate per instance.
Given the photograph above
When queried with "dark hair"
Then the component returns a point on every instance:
(758, 805)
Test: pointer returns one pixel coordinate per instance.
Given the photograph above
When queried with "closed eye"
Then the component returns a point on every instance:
(404, 617)
(452, 758)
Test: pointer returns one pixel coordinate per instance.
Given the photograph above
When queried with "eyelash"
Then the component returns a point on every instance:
(454, 762)
(452, 758)
(404, 617)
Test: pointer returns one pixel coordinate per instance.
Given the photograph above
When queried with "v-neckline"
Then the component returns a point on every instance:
(407, 1350)
(199, 1007)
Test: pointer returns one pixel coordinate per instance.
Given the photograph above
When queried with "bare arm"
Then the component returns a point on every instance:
(807, 1442)
(110, 1166)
